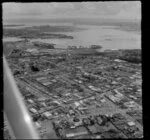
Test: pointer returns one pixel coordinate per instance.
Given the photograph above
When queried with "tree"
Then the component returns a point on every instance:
(96, 47)
(72, 47)
(35, 69)
(16, 72)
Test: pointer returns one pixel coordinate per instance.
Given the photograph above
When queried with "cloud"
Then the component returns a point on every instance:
(127, 9)
(130, 11)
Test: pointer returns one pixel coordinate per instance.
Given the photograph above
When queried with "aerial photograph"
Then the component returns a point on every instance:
(72, 70)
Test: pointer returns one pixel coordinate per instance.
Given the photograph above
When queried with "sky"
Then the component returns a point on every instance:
(117, 10)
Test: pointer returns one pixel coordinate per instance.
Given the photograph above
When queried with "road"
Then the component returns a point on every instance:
(64, 78)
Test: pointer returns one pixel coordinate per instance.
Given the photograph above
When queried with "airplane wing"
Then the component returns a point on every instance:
(14, 108)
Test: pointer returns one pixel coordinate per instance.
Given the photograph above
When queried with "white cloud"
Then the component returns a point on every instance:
(63, 5)
(89, 5)
(71, 9)
(132, 11)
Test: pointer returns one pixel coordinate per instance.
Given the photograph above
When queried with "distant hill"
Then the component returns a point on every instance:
(12, 25)
(48, 28)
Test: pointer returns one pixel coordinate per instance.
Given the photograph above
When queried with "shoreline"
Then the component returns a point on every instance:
(113, 37)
